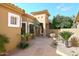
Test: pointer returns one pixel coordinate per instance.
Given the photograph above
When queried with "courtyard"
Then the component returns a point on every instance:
(40, 46)
(24, 28)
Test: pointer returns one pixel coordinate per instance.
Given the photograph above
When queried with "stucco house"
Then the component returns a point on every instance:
(15, 21)
(42, 17)
(29, 24)
(10, 24)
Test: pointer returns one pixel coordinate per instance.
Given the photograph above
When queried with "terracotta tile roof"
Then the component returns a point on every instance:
(41, 12)
(29, 16)
(12, 7)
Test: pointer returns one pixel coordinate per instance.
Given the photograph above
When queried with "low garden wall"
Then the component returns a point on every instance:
(70, 30)
(74, 30)
(54, 30)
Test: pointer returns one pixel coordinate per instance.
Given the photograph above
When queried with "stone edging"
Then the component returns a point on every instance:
(60, 53)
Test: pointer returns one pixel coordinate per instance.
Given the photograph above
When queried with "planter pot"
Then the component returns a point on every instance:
(66, 44)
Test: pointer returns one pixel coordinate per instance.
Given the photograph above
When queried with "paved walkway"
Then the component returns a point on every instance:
(38, 47)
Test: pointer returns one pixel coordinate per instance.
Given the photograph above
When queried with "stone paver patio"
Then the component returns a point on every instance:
(41, 46)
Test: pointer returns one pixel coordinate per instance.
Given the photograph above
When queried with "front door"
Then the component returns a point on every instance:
(41, 29)
(23, 29)
(31, 28)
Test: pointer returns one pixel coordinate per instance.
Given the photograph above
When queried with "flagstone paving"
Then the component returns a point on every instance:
(41, 46)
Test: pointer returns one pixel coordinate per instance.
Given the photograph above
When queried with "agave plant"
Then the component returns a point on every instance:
(3, 41)
(65, 35)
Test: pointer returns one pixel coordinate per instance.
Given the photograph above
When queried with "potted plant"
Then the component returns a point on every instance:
(3, 41)
(65, 35)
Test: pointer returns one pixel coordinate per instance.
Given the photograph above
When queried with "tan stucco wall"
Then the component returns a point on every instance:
(11, 32)
(43, 20)
(25, 19)
(73, 30)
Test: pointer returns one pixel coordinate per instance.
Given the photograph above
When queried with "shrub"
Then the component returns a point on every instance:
(3, 40)
(23, 45)
(24, 38)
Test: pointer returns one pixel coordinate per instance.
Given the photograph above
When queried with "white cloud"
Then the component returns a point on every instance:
(66, 9)
(63, 8)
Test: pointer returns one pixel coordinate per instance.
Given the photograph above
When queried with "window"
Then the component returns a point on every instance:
(31, 26)
(13, 20)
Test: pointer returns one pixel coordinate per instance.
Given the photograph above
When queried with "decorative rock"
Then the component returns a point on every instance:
(52, 35)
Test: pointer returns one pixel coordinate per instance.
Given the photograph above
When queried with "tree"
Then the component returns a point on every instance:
(62, 22)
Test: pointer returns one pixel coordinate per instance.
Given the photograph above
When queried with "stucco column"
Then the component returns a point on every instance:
(47, 29)
(77, 25)
(44, 29)
(34, 31)
(26, 27)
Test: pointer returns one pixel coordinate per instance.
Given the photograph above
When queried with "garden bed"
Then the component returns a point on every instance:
(64, 51)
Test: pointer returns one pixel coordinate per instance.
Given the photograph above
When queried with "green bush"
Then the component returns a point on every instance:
(3, 40)
(23, 45)
(65, 35)
(24, 38)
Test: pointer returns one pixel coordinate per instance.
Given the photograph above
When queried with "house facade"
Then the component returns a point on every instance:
(14, 22)
(10, 24)
(29, 24)
(42, 17)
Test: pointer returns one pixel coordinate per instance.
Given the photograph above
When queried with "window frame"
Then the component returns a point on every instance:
(18, 20)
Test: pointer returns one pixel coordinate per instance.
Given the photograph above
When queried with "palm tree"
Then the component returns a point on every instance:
(65, 35)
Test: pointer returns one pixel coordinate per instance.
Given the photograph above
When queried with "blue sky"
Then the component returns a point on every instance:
(66, 9)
